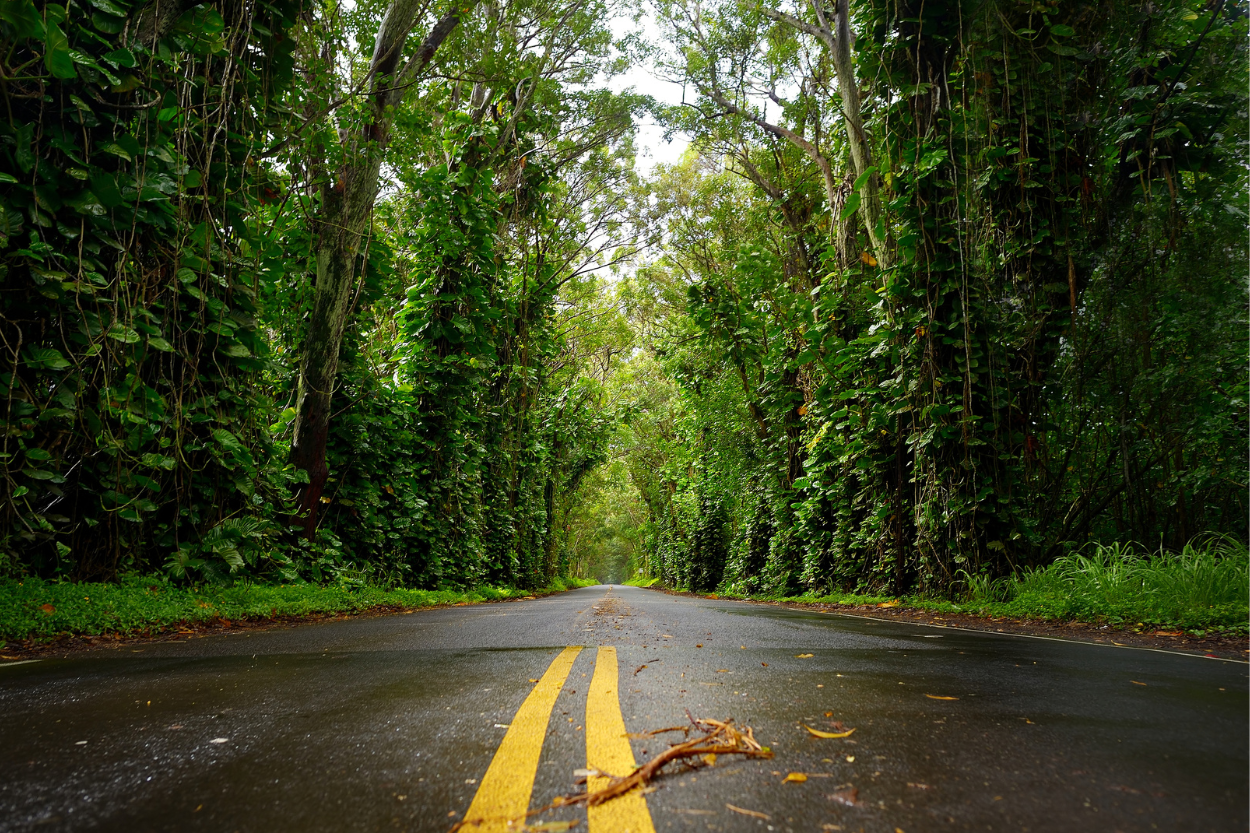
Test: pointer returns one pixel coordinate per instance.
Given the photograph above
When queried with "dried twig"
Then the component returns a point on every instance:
(719, 738)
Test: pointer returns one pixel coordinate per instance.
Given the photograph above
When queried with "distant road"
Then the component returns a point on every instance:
(409, 722)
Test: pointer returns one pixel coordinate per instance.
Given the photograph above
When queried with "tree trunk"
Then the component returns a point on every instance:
(346, 204)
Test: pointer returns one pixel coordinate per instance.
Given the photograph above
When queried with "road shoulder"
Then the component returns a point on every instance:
(1218, 646)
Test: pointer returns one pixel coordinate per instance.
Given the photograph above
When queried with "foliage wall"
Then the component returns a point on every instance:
(1041, 344)
(163, 169)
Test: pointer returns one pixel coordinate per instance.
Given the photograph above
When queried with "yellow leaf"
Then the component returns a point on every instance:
(1134, 682)
(803, 656)
(794, 777)
(939, 697)
(820, 734)
(868, 259)
(709, 758)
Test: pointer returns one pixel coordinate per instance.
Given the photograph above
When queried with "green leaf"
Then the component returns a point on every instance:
(57, 58)
(161, 344)
(23, 17)
(1060, 30)
(45, 358)
(851, 206)
(107, 6)
(123, 333)
(227, 440)
(158, 461)
(863, 178)
(117, 150)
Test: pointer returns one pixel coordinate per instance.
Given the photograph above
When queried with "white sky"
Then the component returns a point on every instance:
(652, 149)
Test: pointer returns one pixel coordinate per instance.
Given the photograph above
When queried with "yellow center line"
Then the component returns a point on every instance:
(607, 750)
(504, 794)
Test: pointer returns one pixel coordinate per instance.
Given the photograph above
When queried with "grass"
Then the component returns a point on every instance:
(1203, 588)
(640, 581)
(37, 610)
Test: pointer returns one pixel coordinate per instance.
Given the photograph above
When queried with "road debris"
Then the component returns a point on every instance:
(719, 737)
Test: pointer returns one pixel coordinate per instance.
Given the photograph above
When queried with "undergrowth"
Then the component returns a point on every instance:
(1204, 587)
(42, 610)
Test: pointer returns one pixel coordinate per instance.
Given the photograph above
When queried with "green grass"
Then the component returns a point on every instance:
(43, 610)
(1203, 588)
(640, 581)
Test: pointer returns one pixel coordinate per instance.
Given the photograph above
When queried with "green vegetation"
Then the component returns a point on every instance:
(943, 294)
(40, 610)
(1203, 588)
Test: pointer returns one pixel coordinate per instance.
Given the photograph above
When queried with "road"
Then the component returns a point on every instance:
(408, 722)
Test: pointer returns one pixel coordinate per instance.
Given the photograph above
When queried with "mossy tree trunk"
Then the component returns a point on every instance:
(347, 200)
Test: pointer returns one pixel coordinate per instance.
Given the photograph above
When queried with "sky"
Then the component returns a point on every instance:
(652, 149)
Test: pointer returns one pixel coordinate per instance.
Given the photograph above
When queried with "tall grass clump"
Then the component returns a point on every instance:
(1205, 585)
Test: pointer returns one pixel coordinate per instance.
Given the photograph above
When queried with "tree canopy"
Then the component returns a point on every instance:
(304, 291)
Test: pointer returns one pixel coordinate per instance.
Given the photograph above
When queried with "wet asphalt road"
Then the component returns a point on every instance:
(389, 723)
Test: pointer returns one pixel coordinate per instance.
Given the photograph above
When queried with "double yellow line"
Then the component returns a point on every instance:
(503, 798)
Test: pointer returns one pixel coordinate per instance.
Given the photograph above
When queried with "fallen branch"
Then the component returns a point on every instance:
(719, 738)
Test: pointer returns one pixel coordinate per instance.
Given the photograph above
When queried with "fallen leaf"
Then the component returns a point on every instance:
(828, 714)
(722, 670)
(750, 813)
(940, 697)
(220, 740)
(700, 645)
(831, 827)
(49, 609)
(764, 664)
(888, 604)
(848, 796)
(803, 656)
(820, 734)
(919, 786)
(1134, 682)
(794, 777)
(80, 743)
(667, 635)
(533, 681)
(709, 759)
(850, 759)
